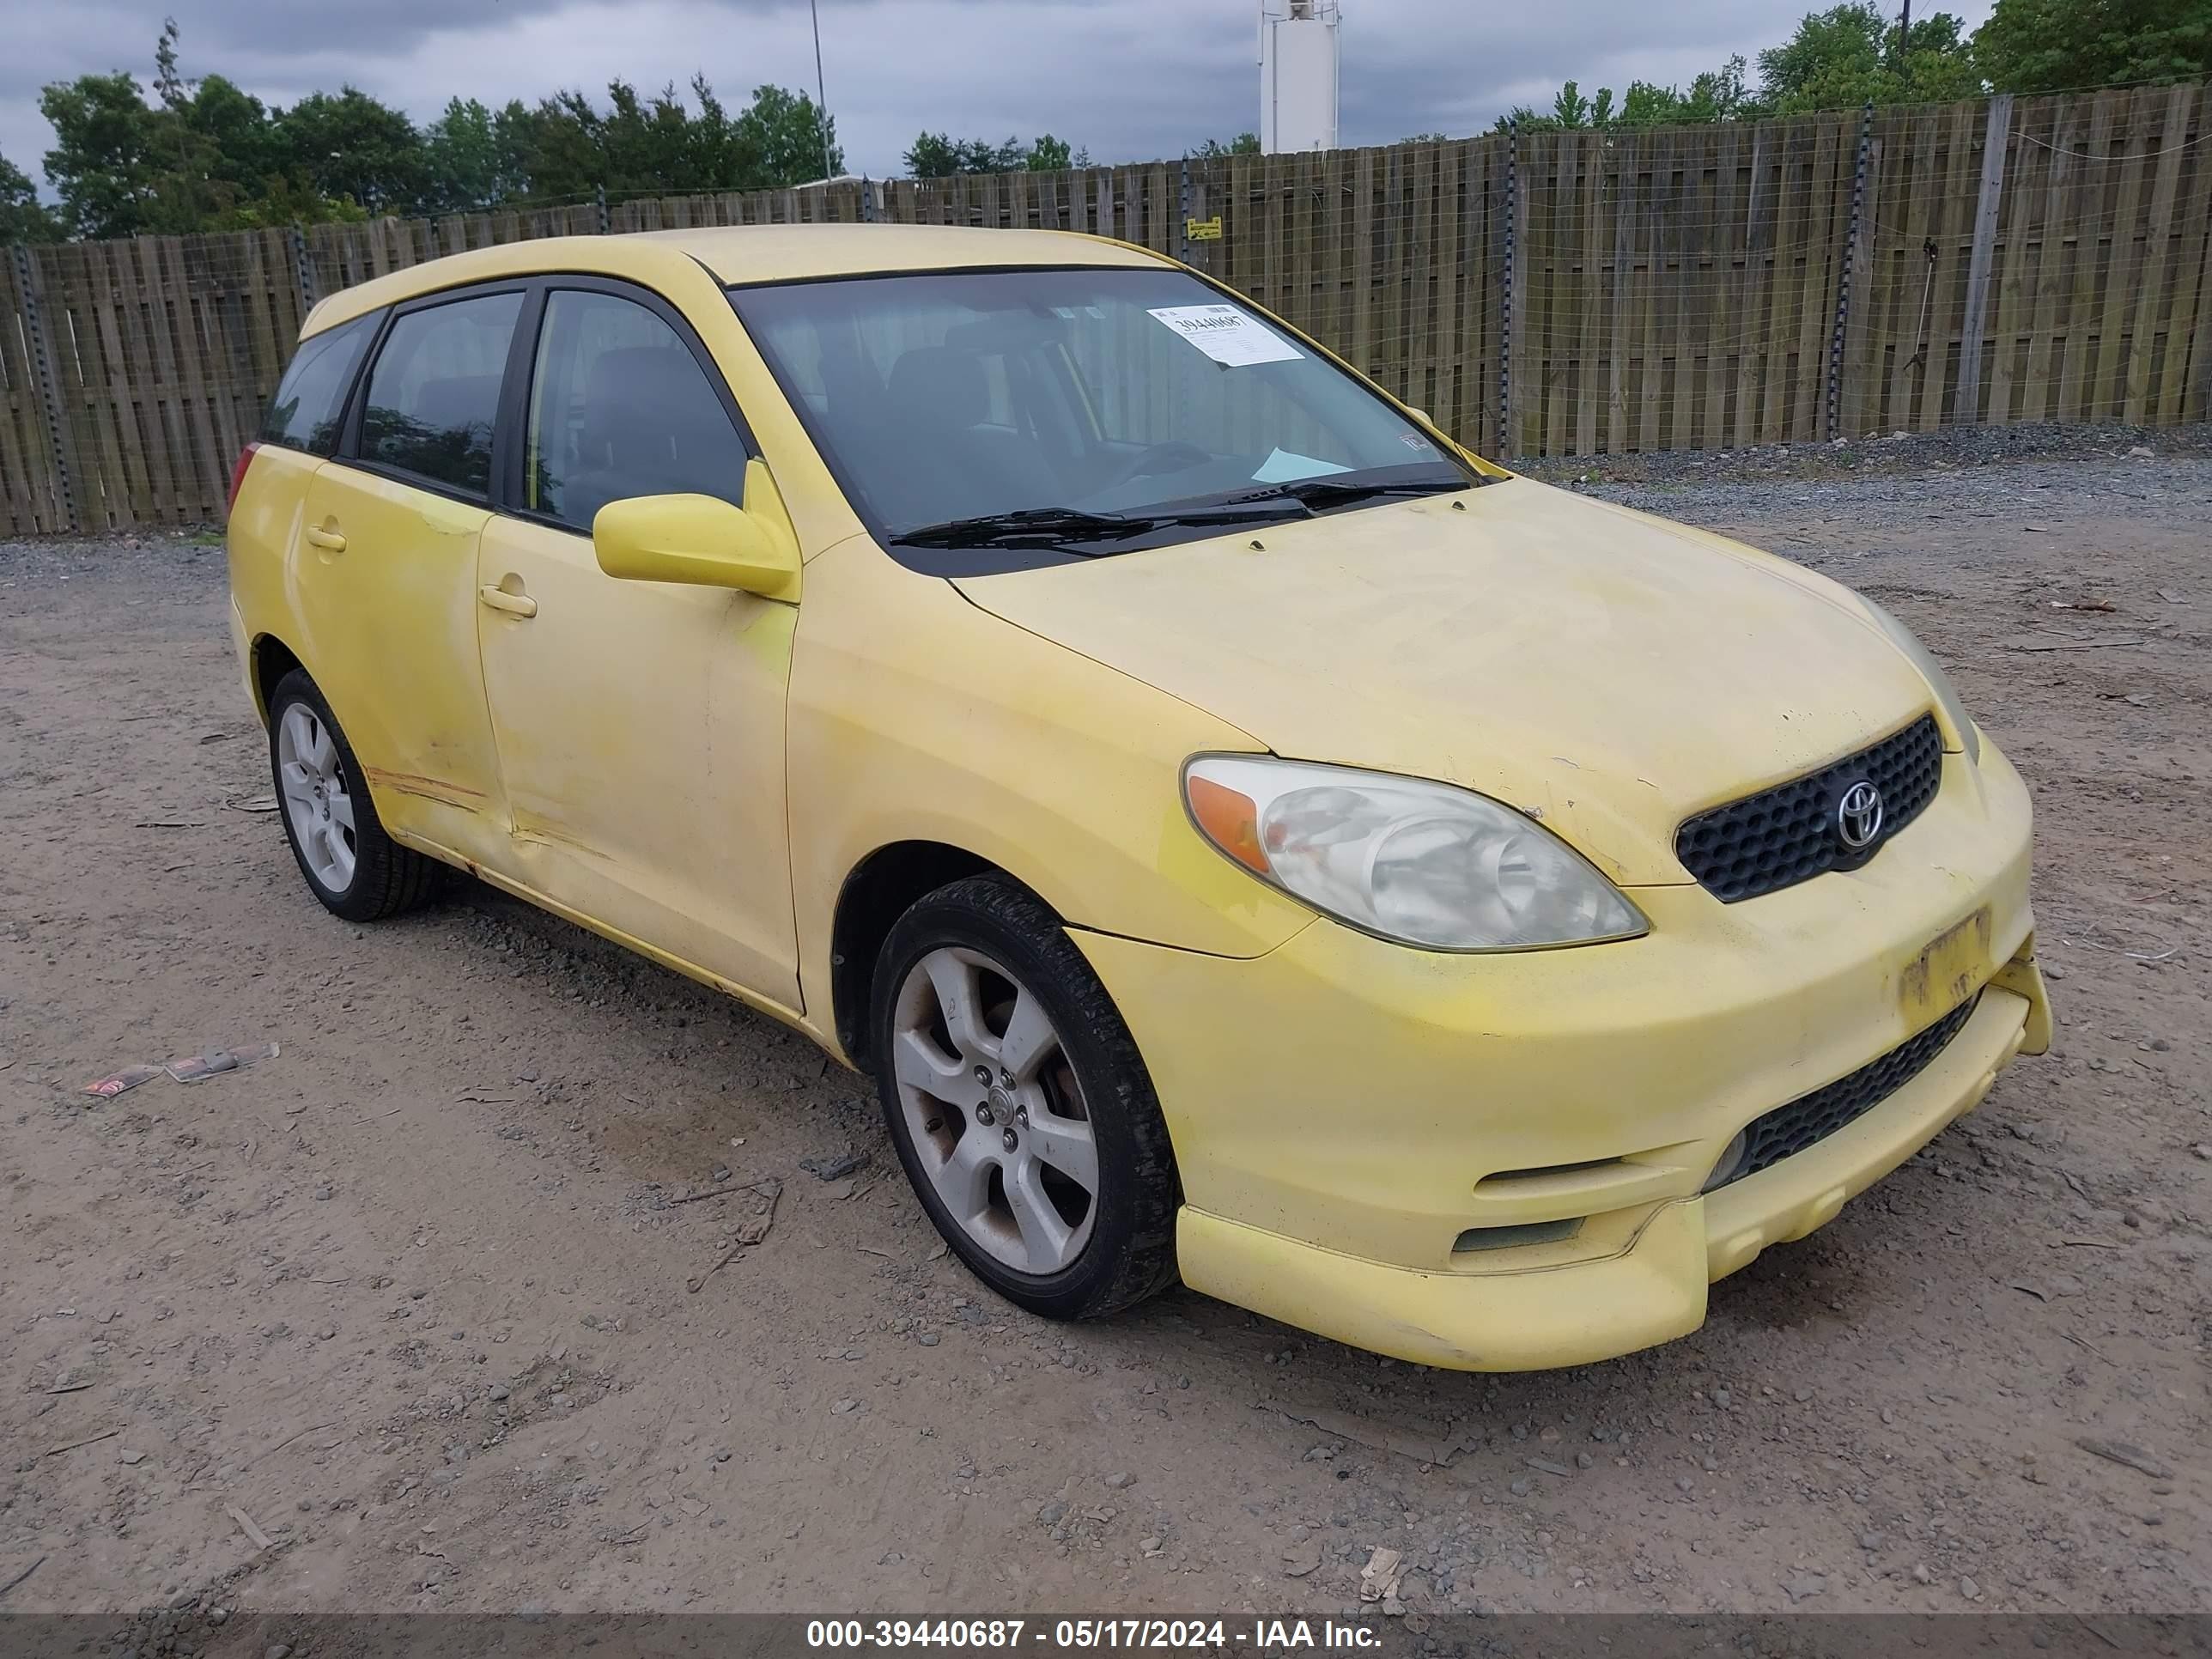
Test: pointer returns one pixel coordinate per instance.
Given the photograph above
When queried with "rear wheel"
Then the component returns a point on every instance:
(356, 870)
(1020, 1106)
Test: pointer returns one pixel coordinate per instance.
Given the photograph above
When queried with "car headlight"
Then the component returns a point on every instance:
(1932, 672)
(1417, 862)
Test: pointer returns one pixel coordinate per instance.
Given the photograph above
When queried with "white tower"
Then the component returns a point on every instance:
(1298, 75)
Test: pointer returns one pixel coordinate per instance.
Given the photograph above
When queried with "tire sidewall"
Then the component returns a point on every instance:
(941, 920)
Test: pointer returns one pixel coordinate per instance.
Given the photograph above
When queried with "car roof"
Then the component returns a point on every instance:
(734, 254)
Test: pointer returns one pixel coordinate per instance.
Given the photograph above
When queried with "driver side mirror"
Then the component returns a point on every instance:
(698, 539)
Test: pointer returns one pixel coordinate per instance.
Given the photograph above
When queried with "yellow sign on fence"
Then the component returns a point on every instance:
(1202, 230)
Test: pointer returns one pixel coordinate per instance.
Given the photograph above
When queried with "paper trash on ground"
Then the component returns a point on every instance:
(198, 1069)
(129, 1078)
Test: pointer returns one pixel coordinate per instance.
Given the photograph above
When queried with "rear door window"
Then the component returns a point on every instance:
(619, 407)
(434, 391)
(310, 400)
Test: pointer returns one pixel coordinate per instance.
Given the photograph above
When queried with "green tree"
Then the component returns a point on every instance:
(183, 156)
(791, 137)
(1570, 109)
(206, 155)
(236, 144)
(103, 165)
(557, 140)
(1851, 54)
(939, 155)
(213, 147)
(565, 147)
(2049, 45)
(465, 167)
(1716, 95)
(349, 145)
(1244, 143)
(648, 148)
(933, 155)
(1721, 94)
(23, 217)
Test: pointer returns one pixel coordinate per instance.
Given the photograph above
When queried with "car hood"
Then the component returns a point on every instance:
(1605, 671)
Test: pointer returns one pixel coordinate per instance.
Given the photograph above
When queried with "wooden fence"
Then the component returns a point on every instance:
(1539, 294)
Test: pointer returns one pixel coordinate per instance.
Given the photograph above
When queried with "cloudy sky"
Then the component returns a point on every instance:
(1131, 79)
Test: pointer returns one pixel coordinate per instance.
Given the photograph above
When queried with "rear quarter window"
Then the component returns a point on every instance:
(434, 391)
(310, 400)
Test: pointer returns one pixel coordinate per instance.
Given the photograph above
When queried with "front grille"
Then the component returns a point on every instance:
(1788, 1130)
(1788, 833)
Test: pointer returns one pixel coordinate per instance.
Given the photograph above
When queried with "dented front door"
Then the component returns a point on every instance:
(641, 731)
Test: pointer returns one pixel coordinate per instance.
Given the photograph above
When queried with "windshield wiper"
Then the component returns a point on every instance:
(1342, 492)
(1054, 525)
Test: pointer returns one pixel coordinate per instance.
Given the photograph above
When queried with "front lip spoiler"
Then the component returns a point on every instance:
(1654, 1290)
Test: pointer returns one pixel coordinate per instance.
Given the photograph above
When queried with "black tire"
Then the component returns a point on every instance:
(387, 879)
(1130, 1253)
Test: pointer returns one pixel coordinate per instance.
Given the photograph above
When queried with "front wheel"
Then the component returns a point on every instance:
(1020, 1106)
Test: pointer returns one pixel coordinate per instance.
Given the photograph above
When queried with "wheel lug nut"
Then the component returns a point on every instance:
(1012, 1140)
(983, 1075)
(982, 1111)
(1021, 1116)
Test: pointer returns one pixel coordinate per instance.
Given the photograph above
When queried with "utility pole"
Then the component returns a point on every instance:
(1904, 33)
(821, 98)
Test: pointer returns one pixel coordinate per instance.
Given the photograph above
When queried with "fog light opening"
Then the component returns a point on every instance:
(1509, 1238)
(1731, 1164)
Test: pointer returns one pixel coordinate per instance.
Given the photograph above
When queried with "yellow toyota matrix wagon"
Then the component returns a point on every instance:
(1247, 838)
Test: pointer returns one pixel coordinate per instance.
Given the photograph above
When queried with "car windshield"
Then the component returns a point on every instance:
(1079, 411)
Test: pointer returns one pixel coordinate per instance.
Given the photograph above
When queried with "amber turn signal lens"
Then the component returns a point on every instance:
(1230, 820)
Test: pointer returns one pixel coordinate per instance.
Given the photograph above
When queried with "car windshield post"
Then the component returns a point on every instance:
(1081, 411)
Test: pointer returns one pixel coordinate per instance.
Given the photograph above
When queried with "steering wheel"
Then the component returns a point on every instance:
(1173, 456)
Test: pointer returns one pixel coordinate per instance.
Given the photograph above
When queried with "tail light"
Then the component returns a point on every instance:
(237, 473)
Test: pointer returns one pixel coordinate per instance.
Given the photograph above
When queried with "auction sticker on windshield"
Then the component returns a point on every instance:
(1227, 335)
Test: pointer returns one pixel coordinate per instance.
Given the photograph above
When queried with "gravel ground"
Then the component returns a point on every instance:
(1894, 452)
(412, 1297)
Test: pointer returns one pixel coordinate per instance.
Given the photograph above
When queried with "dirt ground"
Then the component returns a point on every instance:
(410, 1299)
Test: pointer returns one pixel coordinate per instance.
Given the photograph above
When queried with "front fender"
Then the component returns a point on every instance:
(916, 716)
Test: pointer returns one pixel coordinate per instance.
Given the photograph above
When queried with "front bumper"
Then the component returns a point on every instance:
(1346, 1111)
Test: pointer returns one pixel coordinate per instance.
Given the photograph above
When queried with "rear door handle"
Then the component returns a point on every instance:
(515, 604)
(329, 540)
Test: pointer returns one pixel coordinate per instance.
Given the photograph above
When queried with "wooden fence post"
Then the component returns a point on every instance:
(1966, 396)
(1182, 211)
(304, 266)
(1851, 258)
(599, 195)
(42, 360)
(1508, 438)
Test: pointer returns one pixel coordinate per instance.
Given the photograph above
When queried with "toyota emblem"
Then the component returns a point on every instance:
(1858, 815)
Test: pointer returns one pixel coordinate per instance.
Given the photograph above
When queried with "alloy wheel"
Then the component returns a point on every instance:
(995, 1111)
(316, 803)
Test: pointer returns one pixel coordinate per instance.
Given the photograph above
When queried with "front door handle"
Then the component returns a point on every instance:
(329, 540)
(515, 604)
